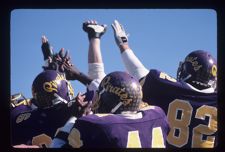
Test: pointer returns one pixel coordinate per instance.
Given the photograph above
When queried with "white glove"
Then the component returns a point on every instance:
(93, 29)
(119, 33)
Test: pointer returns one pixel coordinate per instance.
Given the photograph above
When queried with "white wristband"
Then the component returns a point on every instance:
(96, 70)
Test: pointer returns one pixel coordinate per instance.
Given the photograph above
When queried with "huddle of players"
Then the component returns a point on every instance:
(115, 111)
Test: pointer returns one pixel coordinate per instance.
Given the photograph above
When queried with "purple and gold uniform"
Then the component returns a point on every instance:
(119, 131)
(192, 114)
(35, 126)
(53, 103)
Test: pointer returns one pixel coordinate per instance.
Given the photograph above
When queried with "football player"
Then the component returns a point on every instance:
(53, 103)
(33, 120)
(190, 100)
(118, 122)
(36, 126)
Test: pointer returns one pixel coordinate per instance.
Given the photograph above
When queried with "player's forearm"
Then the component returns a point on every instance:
(95, 62)
(94, 52)
(84, 79)
(133, 64)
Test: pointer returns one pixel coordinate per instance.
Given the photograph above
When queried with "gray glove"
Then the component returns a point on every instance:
(47, 54)
(120, 35)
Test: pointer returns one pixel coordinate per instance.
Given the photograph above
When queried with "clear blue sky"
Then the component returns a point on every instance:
(159, 37)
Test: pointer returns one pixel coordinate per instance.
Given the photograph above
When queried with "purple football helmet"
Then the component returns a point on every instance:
(198, 69)
(50, 88)
(118, 92)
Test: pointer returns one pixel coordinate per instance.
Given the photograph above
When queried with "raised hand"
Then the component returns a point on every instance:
(93, 29)
(81, 106)
(65, 65)
(46, 48)
(121, 37)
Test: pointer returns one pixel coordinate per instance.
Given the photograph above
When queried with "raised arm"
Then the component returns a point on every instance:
(47, 52)
(130, 60)
(70, 70)
(95, 61)
(61, 62)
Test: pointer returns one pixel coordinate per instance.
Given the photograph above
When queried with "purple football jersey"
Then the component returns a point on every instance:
(192, 114)
(37, 126)
(117, 131)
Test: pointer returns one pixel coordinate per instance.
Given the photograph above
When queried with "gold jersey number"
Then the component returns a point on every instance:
(42, 140)
(182, 124)
(133, 139)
